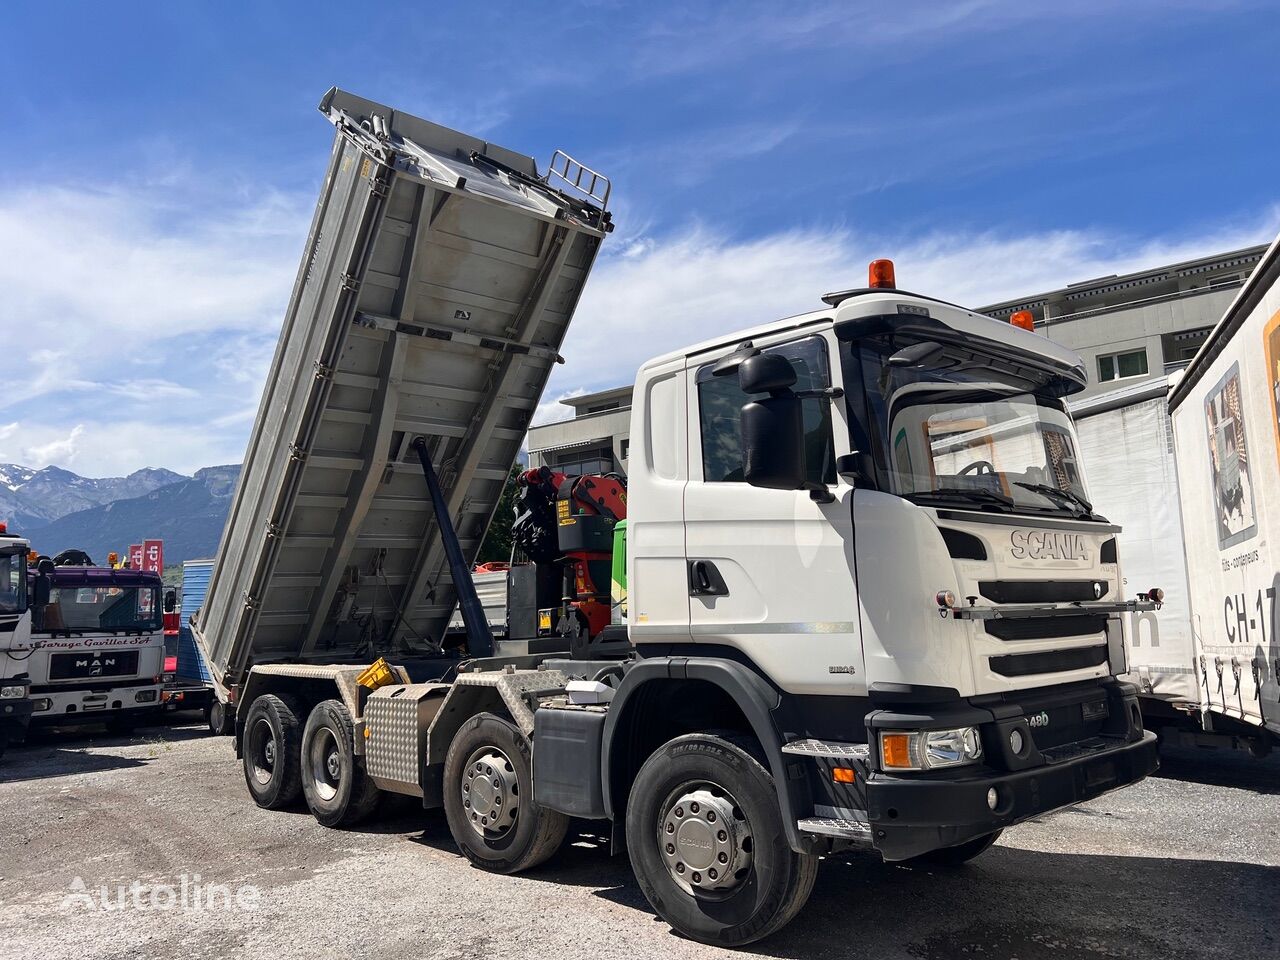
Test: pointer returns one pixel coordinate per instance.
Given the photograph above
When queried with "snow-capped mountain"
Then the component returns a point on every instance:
(31, 498)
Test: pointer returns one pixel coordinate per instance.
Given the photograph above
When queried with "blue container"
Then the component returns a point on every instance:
(195, 584)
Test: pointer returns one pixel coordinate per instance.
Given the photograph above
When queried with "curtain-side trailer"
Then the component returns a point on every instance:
(1226, 424)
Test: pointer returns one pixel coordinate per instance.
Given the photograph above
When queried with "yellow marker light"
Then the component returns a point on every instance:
(844, 775)
(367, 733)
(895, 750)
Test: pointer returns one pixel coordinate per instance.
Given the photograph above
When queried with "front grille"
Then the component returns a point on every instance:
(1047, 628)
(98, 663)
(1041, 591)
(1050, 661)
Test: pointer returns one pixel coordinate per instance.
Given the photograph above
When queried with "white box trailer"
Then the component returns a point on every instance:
(438, 281)
(1226, 424)
(1126, 441)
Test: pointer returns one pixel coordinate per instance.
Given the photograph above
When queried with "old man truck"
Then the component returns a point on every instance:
(869, 605)
(15, 638)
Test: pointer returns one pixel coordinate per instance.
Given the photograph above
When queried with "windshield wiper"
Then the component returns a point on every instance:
(967, 493)
(1051, 491)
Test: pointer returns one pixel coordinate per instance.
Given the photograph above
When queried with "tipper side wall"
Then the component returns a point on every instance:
(437, 284)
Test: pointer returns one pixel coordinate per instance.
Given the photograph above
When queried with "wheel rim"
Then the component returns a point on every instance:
(705, 839)
(490, 792)
(325, 762)
(262, 751)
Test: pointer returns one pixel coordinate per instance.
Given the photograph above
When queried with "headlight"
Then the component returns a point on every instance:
(929, 749)
(13, 693)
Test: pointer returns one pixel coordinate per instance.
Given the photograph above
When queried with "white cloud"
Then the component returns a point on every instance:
(663, 295)
(555, 410)
(143, 330)
(63, 451)
(143, 320)
(98, 279)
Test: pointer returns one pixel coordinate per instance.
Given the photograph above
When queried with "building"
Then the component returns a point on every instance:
(1140, 325)
(1127, 328)
(594, 441)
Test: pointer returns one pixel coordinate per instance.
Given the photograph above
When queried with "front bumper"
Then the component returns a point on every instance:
(909, 816)
(68, 706)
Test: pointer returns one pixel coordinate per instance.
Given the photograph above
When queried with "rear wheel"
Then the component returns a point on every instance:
(708, 846)
(338, 792)
(954, 856)
(488, 799)
(272, 743)
(221, 721)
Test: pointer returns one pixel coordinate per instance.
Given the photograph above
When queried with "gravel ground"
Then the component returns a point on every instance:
(1186, 864)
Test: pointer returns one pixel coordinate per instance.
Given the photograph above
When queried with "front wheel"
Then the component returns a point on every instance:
(954, 856)
(708, 845)
(488, 799)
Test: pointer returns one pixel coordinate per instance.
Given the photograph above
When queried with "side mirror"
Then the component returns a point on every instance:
(766, 373)
(847, 468)
(773, 442)
(170, 601)
(772, 427)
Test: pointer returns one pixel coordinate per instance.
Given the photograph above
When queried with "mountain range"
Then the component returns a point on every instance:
(58, 509)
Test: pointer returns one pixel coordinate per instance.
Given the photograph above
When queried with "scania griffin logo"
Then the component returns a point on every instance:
(1037, 720)
(1048, 545)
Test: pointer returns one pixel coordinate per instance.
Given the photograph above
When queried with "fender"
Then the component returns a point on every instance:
(754, 697)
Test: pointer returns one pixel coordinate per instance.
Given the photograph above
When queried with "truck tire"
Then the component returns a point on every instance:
(488, 799)
(337, 792)
(221, 721)
(272, 749)
(954, 856)
(708, 846)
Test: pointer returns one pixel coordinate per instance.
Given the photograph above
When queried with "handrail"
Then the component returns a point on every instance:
(570, 172)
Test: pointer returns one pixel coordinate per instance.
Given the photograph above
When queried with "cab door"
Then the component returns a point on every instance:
(771, 572)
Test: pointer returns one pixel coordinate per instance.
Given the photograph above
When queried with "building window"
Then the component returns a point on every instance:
(1118, 366)
(585, 462)
(720, 401)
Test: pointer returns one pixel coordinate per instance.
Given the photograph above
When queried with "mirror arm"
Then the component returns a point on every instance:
(831, 393)
(819, 492)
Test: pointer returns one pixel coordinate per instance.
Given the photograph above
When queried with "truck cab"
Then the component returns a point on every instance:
(890, 530)
(96, 652)
(15, 636)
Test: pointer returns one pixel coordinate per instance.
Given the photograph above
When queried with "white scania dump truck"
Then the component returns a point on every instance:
(869, 605)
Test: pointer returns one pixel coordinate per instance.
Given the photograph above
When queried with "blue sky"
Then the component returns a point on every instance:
(161, 161)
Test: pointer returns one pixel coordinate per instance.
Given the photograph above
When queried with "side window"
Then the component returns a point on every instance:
(720, 401)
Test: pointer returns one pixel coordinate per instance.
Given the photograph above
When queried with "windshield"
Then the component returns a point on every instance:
(13, 581)
(102, 609)
(953, 425)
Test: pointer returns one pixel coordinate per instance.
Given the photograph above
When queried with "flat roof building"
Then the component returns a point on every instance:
(1127, 328)
(1139, 325)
